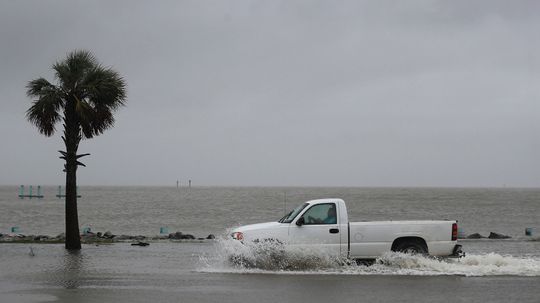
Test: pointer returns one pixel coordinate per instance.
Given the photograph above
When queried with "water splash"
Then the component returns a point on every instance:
(491, 264)
(266, 256)
(271, 258)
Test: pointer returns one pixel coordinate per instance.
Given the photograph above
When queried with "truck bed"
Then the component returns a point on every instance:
(371, 239)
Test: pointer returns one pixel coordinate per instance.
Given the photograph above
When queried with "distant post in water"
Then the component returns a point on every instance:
(61, 195)
(30, 192)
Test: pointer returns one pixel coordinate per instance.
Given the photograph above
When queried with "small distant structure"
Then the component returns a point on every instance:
(30, 194)
(60, 195)
(189, 183)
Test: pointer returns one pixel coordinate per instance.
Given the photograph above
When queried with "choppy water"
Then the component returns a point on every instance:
(204, 210)
(493, 271)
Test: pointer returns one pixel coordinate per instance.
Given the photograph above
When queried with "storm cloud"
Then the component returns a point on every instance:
(295, 93)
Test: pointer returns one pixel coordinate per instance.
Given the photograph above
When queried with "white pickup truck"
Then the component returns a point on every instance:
(323, 225)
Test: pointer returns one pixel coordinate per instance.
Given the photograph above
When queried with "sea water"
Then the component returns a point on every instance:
(205, 210)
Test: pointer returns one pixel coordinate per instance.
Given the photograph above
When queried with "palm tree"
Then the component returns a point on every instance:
(85, 96)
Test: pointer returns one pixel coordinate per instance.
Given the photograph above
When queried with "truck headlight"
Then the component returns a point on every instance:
(238, 236)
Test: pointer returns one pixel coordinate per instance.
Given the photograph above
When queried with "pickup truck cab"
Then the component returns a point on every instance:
(323, 226)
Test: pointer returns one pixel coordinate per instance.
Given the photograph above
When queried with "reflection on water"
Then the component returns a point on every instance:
(68, 272)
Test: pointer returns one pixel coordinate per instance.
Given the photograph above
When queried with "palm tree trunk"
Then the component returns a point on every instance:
(73, 240)
(72, 138)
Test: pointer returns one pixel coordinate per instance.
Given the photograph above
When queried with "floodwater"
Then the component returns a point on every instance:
(200, 271)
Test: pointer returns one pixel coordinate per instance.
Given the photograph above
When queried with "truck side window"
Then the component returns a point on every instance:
(321, 214)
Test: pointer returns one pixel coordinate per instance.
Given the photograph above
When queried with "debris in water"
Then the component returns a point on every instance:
(139, 243)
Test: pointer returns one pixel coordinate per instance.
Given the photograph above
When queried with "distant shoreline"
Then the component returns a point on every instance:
(99, 238)
(284, 186)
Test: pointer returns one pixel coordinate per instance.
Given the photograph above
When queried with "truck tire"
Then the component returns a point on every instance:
(412, 247)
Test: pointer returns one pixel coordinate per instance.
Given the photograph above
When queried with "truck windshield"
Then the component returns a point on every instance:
(290, 216)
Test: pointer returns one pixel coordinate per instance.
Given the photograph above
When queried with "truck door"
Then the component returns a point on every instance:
(317, 230)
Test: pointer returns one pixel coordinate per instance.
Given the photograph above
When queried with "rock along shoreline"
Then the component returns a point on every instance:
(106, 237)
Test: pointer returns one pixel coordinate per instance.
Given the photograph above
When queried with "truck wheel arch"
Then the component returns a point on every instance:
(401, 243)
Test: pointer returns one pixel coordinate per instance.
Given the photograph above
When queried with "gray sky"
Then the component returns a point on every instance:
(338, 93)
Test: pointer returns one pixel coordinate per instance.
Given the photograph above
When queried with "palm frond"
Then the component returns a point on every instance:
(45, 110)
(105, 91)
(81, 60)
(73, 69)
(44, 113)
(104, 87)
(39, 87)
(97, 92)
(101, 119)
(83, 109)
(86, 114)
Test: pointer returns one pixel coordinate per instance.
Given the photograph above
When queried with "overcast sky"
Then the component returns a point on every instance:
(295, 93)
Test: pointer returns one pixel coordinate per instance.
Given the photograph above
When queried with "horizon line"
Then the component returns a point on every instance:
(288, 186)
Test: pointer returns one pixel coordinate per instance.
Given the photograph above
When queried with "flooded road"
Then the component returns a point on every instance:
(200, 272)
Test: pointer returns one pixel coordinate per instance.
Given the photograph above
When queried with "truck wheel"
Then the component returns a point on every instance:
(412, 248)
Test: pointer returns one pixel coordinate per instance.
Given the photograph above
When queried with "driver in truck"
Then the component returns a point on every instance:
(331, 216)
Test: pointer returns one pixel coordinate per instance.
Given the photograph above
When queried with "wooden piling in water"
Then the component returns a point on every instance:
(30, 192)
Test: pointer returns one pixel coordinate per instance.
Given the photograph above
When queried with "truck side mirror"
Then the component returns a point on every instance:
(300, 221)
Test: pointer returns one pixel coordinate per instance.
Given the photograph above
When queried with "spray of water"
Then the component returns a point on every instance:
(270, 257)
(491, 264)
